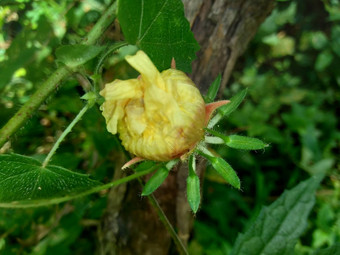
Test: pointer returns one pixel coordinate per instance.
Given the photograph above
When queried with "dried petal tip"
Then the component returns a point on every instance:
(132, 162)
(159, 116)
(173, 63)
(210, 108)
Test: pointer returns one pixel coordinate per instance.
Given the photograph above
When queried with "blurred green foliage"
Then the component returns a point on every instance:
(291, 70)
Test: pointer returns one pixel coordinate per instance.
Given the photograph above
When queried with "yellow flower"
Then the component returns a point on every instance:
(159, 116)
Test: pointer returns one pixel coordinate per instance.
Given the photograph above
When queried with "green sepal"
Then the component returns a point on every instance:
(91, 98)
(223, 169)
(213, 89)
(155, 181)
(193, 185)
(239, 142)
(145, 165)
(235, 101)
(245, 143)
(193, 192)
(227, 109)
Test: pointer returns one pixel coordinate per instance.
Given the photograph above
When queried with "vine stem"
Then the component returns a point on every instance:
(47, 87)
(66, 131)
(179, 244)
(164, 219)
(161, 214)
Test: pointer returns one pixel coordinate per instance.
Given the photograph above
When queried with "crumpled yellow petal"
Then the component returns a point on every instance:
(159, 116)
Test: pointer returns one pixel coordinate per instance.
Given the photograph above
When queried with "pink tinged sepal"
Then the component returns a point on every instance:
(210, 108)
(132, 162)
(173, 63)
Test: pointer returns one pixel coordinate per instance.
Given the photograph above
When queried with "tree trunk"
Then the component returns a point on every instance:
(223, 28)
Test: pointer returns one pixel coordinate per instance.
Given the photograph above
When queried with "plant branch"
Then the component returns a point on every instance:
(64, 134)
(27, 110)
(102, 24)
(41, 94)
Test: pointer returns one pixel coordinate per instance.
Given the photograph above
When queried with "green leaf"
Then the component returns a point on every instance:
(24, 181)
(278, 226)
(333, 250)
(335, 39)
(155, 181)
(193, 185)
(227, 109)
(323, 60)
(159, 28)
(213, 89)
(23, 50)
(223, 168)
(319, 40)
(78, 54)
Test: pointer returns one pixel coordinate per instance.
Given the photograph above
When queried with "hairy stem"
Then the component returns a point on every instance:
(46, 88)
(64, 134)
(27, 110)
(102, 24)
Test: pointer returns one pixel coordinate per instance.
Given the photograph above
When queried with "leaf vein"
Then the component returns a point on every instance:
(153, 21)
(34, 190)
(12, 176)
(277, 230)
(141, 19)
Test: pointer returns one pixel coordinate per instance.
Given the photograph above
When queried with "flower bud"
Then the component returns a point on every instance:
(159, 116)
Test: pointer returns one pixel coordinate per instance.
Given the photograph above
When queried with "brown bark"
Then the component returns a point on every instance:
(223, 28)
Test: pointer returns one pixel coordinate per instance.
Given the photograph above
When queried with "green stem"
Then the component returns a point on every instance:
(107, 52)
(180, 246)
(154, 203)
(102, 24)
(25, 204)
(64, 134)
(26, 111)
(41, 94)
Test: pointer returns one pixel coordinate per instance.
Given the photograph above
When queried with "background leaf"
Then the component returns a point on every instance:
(277, 228)
(333, 250)
(160, 29)
(23, 180)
